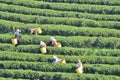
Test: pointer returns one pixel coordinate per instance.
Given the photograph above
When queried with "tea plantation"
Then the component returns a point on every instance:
(88, 30)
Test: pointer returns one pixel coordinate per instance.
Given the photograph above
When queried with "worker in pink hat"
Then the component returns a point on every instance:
(54, 41)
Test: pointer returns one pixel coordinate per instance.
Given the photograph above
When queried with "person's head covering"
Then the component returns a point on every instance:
(54, 56)
(18, 30)
(52, 38)
(41, 42)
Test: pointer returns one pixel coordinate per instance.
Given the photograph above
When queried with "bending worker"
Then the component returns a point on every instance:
(54, 42)
(55, 59)
(79, 67)
(17, 36)
(43, 47)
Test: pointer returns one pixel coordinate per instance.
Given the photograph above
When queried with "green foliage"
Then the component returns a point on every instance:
(59, 20)
(48, 67)
(2, 78)
(101, 2)
(47, 14)
(41, 66)
(71, 41)
(16, 56)
(61, 51)
(56, 13)
(66, 7)
(63, 30)
(28, 74)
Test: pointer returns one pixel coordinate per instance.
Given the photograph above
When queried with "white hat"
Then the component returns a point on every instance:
(18, 30)
(41, 42)
(52, 38)
(54, 56)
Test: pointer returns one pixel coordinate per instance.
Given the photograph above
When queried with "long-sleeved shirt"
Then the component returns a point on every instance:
(54, 42)
(17, 35)
(79, 64)
(56, 60)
